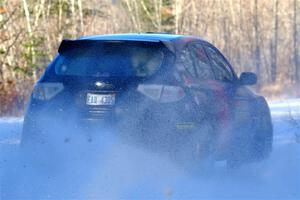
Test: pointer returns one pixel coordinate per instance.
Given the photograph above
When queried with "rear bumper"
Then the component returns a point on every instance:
(145, 123)
(143, 129)
(54, 113)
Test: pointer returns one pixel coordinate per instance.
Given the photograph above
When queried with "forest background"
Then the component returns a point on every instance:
(261, 36)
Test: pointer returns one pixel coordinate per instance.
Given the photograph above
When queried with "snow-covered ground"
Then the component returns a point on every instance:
(117, 171)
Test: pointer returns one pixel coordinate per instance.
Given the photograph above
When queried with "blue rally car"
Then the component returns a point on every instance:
(170, 92)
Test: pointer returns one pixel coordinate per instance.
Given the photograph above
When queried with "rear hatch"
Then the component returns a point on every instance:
(99, 76)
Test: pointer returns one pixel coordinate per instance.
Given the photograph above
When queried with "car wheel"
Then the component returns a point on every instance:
(263, 138)
(30, 144)
(196, 154)
(36, 136)
(239, 150)
(29, 133)
(253, 141)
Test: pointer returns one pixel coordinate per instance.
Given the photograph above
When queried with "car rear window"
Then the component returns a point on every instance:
(109, 58)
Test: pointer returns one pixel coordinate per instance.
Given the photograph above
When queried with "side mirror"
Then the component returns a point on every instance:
(248, 78)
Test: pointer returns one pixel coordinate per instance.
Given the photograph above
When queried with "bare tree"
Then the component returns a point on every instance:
(257, 42)
(30, 33)
(296, 45)
(258, 36)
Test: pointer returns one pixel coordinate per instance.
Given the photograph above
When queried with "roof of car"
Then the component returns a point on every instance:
(154, 37)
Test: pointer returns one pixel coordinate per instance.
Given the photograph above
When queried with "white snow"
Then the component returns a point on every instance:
(116, 170)
(290, 107)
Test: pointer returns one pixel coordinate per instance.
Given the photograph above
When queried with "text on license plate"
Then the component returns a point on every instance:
(100, 99)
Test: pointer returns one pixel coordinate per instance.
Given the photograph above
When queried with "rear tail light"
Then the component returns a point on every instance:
(171, 94)
(46, 91)
(162, 93)
(151, 91)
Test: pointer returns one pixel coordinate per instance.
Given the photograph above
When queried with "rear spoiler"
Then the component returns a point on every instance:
(71, 44)
(66, 45)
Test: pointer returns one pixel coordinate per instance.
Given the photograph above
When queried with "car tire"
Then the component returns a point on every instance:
(29, 131)
(29, 143)
(253, 141)
(263, 139)
(239, 151)
(196, 153)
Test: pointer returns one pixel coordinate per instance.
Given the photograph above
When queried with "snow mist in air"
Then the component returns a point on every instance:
(98, 164)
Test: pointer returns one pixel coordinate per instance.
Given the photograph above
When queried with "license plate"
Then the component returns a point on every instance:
(100, 99)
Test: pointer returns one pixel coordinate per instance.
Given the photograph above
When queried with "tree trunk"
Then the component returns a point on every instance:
(295, 47)
(29, 30)
(81, 16)
(257, 45)
(274, 43)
